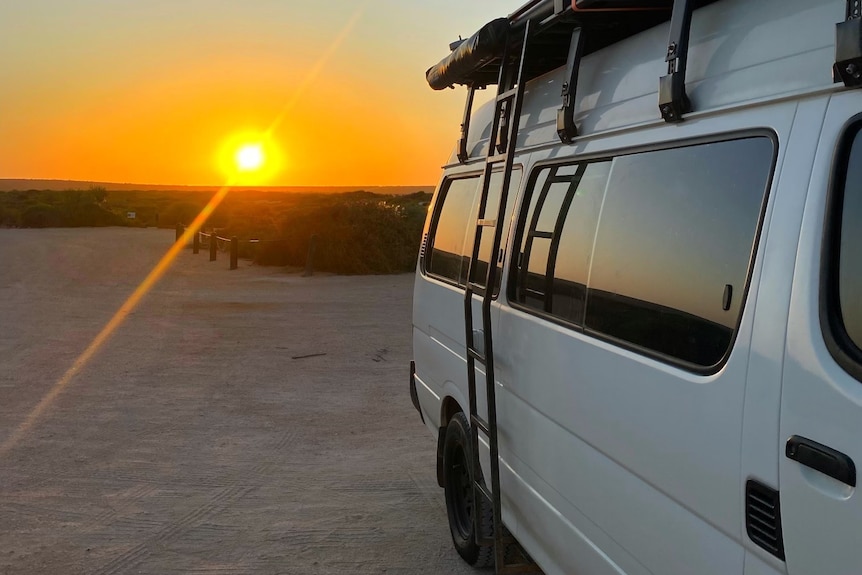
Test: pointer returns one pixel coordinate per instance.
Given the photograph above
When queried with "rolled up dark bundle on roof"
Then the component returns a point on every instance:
(470, 55)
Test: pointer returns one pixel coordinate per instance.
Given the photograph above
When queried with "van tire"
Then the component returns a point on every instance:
(458, 486)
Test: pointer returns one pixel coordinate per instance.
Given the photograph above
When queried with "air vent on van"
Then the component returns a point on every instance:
(422, 246)
(763, 517)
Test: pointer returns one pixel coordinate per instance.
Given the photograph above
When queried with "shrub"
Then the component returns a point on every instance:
(42, 216)
(352, 238)
(9, 217)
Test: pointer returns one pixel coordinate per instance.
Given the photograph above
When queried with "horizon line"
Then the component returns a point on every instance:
(59, 180)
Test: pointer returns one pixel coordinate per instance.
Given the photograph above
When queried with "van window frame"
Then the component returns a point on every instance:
(440, 200)
(609, 155)
(442, 194)
(841, 346)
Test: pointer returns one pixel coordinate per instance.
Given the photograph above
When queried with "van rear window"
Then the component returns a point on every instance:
(449, 255)
(653, 250)
(454, 227)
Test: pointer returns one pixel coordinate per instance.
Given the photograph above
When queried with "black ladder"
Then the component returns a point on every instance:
(501, 151)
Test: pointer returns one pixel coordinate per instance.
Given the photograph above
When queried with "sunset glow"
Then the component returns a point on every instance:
(148, 92)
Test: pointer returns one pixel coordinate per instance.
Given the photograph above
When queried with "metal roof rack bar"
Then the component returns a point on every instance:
(463, 153)
(673, 101)
(567, 130)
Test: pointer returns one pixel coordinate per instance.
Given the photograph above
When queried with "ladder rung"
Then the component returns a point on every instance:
(481, 424)
(507, 95)
(542, 235)
(561, 179)
(487, 223)
(483, 490)
(476, 355)
(497, 159)
(474, 287)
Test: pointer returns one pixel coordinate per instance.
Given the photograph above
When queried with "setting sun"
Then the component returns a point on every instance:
(250, 157)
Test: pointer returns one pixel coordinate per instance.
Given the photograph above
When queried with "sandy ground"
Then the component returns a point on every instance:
(198, 439)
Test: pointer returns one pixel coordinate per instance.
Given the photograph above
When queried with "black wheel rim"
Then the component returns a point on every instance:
(462, 493)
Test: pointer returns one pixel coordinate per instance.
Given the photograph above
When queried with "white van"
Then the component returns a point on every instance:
(676, 331)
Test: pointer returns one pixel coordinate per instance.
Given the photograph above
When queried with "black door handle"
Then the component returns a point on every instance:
(824, 459)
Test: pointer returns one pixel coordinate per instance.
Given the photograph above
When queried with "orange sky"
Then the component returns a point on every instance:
(148, 92)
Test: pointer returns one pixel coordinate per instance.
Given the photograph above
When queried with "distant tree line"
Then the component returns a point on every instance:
(361, 234)
(356, 233)
(53, 209)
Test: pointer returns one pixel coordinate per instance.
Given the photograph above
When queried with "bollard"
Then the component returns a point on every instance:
(180, 230)
(196, 242)
(309, 261)
(234, 252)
(213, 245)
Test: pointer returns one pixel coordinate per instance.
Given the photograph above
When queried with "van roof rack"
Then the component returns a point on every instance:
(562, 32)
(476, 61)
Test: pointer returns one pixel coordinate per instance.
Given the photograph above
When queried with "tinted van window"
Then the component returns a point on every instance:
(448, 256)
(495, 189)
(557, 239)
(674, 246)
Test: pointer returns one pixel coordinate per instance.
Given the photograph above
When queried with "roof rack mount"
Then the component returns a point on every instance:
(567, 130)
(848, 47)
(673, 101)
(582, 26)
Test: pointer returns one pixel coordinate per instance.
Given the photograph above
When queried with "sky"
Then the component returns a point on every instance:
(163, 91)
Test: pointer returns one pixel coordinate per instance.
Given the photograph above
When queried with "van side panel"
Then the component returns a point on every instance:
(624, 453)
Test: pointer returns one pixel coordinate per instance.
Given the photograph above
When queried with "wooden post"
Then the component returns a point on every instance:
(213, 245)
(309, 261)
(196, 242)
(234, 252)
(180, 230)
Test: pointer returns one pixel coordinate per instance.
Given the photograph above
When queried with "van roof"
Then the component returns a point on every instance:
(741, 52)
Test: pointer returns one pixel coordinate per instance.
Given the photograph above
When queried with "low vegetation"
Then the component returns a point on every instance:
(354, 233)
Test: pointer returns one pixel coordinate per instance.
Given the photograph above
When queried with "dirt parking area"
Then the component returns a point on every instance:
(248, 421)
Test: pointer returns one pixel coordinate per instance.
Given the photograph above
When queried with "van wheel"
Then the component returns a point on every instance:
(460, 503)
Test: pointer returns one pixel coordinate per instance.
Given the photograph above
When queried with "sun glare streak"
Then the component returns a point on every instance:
(159, 270)
(128, 306)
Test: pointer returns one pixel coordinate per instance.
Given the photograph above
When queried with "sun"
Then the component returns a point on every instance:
(250, 158)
